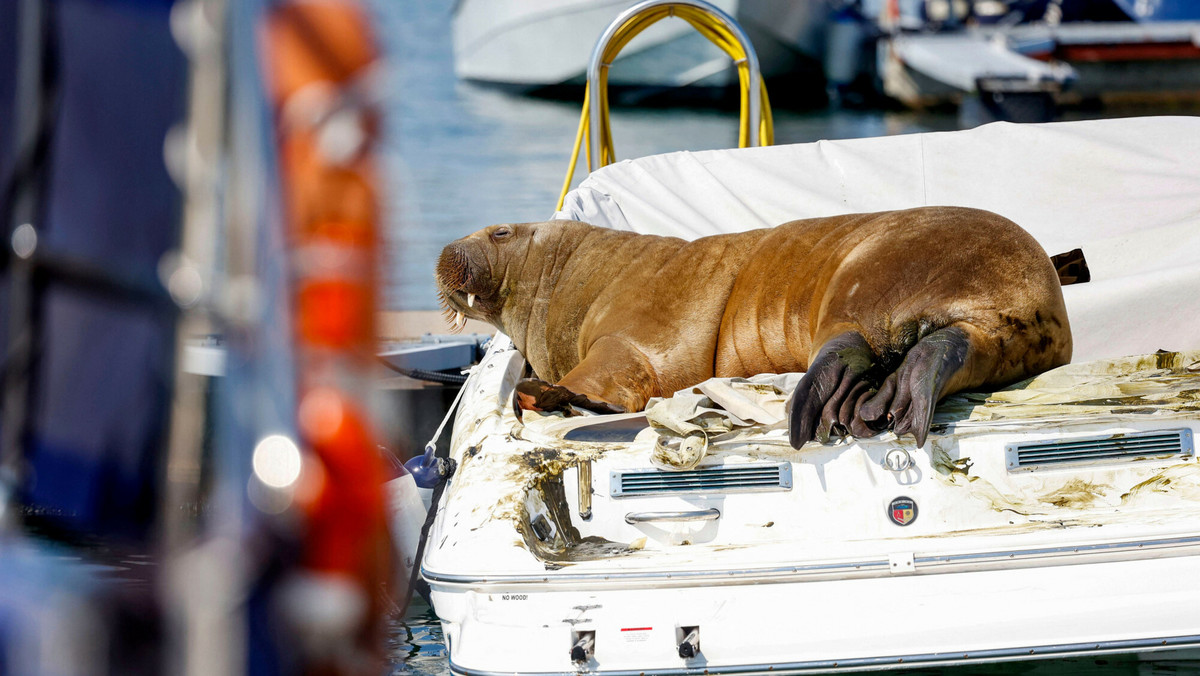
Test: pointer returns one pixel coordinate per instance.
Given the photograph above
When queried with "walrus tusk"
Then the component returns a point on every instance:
(470, 300)
(460, 320)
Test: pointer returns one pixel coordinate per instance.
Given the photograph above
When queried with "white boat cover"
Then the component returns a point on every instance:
(1126, 191)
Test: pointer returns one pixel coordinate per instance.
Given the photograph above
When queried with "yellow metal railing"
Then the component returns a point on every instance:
(755, 125)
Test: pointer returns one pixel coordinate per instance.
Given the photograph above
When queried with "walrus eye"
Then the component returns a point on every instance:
(501, 233)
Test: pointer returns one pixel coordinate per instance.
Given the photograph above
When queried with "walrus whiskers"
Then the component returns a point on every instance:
(454, 275)
(454, 269)
(449, 314)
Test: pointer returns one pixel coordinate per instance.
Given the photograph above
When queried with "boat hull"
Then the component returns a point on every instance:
(1033, 540)
(843, 624)
(543, 46)
(1067, 62)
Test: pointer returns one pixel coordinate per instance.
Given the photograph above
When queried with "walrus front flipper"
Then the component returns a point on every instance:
(830, 390)
(908, 396)
(532, 394)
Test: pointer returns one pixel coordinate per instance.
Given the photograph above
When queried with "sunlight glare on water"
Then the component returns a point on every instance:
(415, 643)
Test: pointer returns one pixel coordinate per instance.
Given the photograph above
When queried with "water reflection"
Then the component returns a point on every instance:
(415, 643)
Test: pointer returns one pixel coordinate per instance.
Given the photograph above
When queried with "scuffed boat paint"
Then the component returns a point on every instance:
(515, 472)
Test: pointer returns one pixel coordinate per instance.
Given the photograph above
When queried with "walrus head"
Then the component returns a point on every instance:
(471, 272)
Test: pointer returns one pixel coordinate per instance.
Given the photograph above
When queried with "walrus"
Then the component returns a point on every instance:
(886, 313)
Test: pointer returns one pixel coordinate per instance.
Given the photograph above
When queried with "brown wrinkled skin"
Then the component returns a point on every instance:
(623, 317)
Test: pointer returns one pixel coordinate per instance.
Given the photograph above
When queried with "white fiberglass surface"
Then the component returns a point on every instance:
(838, 507)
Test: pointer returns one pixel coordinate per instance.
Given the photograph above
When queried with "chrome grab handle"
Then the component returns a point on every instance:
(597, 62)
(711, 514)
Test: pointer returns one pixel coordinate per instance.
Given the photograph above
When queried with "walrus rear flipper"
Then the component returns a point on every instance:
(837, 393)
(835, 382)
(908, 396)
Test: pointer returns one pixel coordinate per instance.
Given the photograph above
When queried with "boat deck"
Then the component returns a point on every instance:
(973, 488)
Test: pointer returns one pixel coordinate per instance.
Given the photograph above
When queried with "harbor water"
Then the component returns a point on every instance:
(460, 157)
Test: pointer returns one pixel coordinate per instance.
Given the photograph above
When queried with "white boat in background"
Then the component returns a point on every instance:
(1059, 517)
(1020, 61)
(527, 45)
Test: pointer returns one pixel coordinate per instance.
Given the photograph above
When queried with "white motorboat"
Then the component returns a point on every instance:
(527, 45)
(1058, 517)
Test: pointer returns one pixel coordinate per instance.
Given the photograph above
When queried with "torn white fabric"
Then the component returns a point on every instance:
(1164, 384)
(687, 419)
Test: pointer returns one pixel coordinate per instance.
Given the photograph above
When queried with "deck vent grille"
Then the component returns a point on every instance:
(744, 478)
(1121, 448)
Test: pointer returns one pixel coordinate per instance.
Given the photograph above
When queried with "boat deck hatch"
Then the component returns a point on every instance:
(741, 478)
(1156, 445)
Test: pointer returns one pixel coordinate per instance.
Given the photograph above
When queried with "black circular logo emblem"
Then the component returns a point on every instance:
(902, 511)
